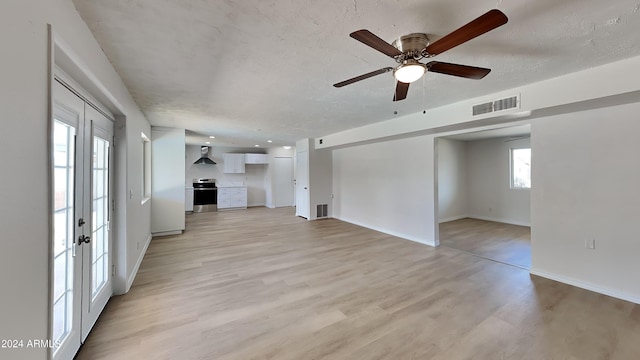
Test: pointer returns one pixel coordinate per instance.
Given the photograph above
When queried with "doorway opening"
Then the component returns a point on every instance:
(483, 191)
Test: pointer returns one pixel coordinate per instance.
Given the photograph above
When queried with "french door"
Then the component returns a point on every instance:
(82, 162)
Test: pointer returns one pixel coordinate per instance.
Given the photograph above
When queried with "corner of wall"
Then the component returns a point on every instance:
(132, 275)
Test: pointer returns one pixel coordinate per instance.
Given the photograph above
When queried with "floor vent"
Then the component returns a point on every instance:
(512, 102)
(321, 210)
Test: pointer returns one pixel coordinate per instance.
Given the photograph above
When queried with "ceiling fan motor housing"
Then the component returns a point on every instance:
(412, 46)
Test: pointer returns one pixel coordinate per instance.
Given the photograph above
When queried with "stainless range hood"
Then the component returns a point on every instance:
(204, 157)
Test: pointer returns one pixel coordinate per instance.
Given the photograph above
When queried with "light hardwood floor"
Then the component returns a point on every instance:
(264, 284)
(507, 243)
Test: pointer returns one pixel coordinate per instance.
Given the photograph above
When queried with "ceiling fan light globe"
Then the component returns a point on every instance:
(408, 73)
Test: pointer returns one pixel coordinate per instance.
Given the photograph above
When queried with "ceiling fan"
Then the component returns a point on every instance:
(408, 50)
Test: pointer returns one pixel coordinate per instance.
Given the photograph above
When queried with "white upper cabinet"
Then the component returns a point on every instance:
(256, 158)
(233, 163)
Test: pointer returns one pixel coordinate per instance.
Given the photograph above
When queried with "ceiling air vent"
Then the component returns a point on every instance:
(512, 102)
(483, 108)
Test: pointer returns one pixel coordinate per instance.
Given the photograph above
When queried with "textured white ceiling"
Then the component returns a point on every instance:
(256, 70)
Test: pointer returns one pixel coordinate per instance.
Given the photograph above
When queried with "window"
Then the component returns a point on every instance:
(146, 168)
(521, 168)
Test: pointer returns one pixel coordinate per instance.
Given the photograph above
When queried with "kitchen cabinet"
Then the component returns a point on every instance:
(234, 197)
(256, 158)
(233, 163)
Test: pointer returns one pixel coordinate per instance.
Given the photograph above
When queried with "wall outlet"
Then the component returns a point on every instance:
(590, 244)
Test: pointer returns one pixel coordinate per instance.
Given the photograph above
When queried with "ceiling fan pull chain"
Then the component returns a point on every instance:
(424, 94)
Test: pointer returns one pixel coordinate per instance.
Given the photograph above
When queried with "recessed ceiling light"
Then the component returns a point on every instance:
(287, 147)
(269, 141)
(207, 142)
(256, 145)
(212, 137)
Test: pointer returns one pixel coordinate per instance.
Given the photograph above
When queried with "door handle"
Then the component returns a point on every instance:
(83, 239)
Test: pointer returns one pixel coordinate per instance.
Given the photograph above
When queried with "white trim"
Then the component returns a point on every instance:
(167, 233)
(452, 218)
(63, 77)
(577, 283)
(84, 68)
(388, 232)
(133, 274)
(500, 220)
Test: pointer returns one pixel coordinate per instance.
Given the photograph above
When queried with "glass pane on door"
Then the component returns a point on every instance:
(63, 225)
(100, 209)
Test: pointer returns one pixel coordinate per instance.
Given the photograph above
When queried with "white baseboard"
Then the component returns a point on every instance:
(133, 274)
(452, 218)
(389, 232)
(506, 221)
(167, 233)
(591, 287)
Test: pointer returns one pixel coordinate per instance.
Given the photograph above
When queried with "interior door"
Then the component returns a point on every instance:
(283, 179)
(81, 280)
(302, 184)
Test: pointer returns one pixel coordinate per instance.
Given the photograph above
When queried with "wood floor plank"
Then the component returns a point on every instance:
(263, 284)
(507, 243)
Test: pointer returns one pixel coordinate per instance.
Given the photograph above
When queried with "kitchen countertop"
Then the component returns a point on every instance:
(231, 185)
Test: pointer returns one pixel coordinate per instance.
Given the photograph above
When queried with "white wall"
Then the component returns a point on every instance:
(585, 186)
(490, 196)
(319, 176)
(452, 179)
(167, 180)
(320, 181)
(254, 177)
(24, 215)
(388, 186)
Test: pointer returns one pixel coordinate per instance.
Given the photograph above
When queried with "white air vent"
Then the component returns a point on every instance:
(512, 102)
(321, 210)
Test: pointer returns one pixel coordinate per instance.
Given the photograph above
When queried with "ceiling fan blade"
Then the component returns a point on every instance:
(485, 23)
(401, 91)
(368, 38)
(465, 71)
(362, 77)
